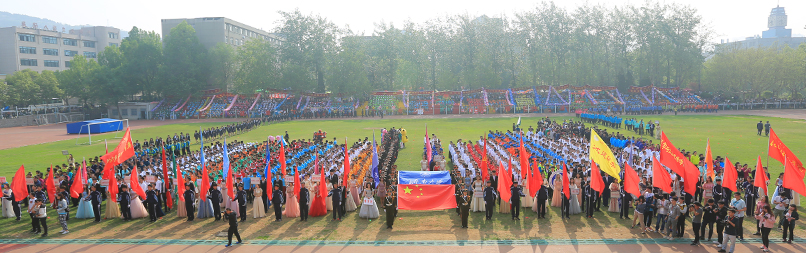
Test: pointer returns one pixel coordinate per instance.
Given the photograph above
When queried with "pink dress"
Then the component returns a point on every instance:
(556, 198)
(291, 204)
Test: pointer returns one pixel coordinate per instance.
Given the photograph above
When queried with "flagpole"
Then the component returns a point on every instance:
(768, 151)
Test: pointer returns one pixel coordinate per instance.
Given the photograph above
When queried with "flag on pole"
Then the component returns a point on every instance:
(524, 159)
(672, 158)
(427, 146)
(266, 170)
(631, 181)
(566, 184)
(227, 172)
(729, 175)
(18, 185)
(51, 185)
(793, 179)
(135, 184)
(519, 120)
(597, 184)
(760, 180)
(106, 146)
(504, 182)
(164, 169)
(78, 183)
(112, 188)
(485, 164)
(425, 190)
(121, 153)
(709, 160)
(205, 177)
(180, 182)
(600, 153)
(660, 177)
(346, 164)
(376, 176)
(779, 151)
(296, 182)
(281, 160)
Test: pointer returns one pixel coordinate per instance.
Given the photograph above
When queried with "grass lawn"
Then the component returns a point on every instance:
(732, 136)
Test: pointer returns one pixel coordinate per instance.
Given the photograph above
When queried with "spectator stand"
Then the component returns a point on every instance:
(498, 101)
(385, 101)
(421, 102)
(555, 102)
(524, 99)
(448, 102)
(474, 101)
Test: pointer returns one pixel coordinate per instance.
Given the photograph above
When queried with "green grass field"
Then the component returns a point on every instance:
(733, 136)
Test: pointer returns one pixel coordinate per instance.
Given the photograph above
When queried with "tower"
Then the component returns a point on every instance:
(777, 24)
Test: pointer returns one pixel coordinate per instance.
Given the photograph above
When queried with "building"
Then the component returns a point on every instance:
(132, 110)
(214, 30)
(777, 35)
(42, 49)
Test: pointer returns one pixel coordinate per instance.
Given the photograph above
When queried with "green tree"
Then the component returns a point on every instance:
(48, 86)
(108, 84)
(309, 40)
(76, 80)
(142, 52)
(185, 66)
(223, 65)
(23, 90)
(257, 61)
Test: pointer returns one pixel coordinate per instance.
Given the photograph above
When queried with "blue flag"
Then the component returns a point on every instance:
(225, 159)
(268, 157)
(424, 177)
(375, 174)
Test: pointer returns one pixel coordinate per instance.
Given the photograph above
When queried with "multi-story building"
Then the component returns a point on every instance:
(777, 35)
(214, 30)
(41, 49)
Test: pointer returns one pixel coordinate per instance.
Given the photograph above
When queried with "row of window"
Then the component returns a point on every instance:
(54, 40)
(125, 112)
(55, 52)
(48, 63)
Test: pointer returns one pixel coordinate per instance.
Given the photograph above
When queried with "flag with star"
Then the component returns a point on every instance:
(425, 190)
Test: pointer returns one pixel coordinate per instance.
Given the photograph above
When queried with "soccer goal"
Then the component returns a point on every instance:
(86, 129)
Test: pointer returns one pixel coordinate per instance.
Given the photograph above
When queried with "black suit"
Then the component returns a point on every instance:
(95, 198)
(489, 201)
(151, 203)
(304, 196)
(277, 201)
(190, 198)
(125, 201)
(233, 228)
(515, 199)
(215, 198)
(464, 205)
(336, 194)
(14, 205)
(242, 204)
(542, 198)
(390, 212)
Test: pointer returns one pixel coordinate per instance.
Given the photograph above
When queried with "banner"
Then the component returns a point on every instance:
(122, 152)
(601, 154)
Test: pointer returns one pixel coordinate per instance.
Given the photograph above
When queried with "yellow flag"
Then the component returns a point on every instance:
(601, 154)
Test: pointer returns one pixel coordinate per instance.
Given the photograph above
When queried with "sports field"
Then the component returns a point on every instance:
(732, 135)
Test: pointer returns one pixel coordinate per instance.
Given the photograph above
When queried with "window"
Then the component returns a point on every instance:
(28, 37)
(124, 112)
(113, 35)
(50, 51)
(113, 44)
(89, 44)
(114, 113)
(66, 64)
(89, 54)
(70, 53)
(28, 62)
(50, 63)
(134, 112)
(70, 42)
(50, 40)
(27, 50)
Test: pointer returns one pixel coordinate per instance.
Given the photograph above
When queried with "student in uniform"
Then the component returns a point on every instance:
(190, 198)
(277, 203)
(215, 198)
(95, 199)
(124, 198)
(489, 200)
(304, 196)
(515, 200)
(390, 210)
(464, 205)
(233, 227)
(41, 216)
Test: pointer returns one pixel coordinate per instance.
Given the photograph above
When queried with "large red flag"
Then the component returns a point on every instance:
(230, 191)
(205, 184)
(535, 179)
(19, 186)
(123, 151)
(792, 178)
(322, 188)
(504, 182)
(566, 184)
(760, 180)
(660, 177)
(112, 188)
(426, 196)
(779, 151)
(524, 156)
(78, 183)
(281, 159)
(346, 164)
(484, 163)
(164, 169)
(51, 185)
(180, 184)
(672, 158)
(709, 161)
(597, 184)
(631, 181)
(296, 182)
(729, 176)
(135, 184)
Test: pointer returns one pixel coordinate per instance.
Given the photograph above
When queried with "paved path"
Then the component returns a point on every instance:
(627, 245)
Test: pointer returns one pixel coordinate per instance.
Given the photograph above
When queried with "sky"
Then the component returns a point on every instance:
(728, 19)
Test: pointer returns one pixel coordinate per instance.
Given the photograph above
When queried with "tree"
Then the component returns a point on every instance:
(309, 39)
(108, 85)
(346, 73)
(76, 81)
(258, 68)
(185, 66)
(223, 65)
(48, 85)
(142, 52)
(23, 90)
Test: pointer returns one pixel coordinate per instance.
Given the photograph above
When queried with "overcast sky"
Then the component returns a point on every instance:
(729, 19)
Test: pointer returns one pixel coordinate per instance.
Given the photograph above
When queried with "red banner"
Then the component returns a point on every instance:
(122, 152)
(19, 186)
(672, 158)
(660, 177)
(597, 184)
(631, 181)
(729, 176)
(426, 197)
(779, 151)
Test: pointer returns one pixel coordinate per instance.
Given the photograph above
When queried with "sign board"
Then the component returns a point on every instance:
(315, 178)
(3, 180)
(198, 182)
(369, 202)
(255, 180)
(29, 181)
(104, 182)
(128, 181)
(151, 179)
(289, 179)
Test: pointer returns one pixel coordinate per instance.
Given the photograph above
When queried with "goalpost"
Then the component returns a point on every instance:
(89, 133)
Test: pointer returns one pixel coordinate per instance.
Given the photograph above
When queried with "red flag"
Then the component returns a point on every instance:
(504, 182)
(729, 176)
(793, 179)
(281, 159)
(78, 183)
(631, 180)
(660, 177)
(484, 163)
(205, 184)
(123, 151)
(709, 161)
(426, 197)
(597, 184)
(296, 182)
(112, 188)
(106, 147)
(135, 184)
(672, 158)
(51, 185)
(779, 151)
(180, 184)
(566, 184)
(164, 168)
(760, 180)
(524, 160)
(19, 186)
(427, 145)
(535, 179)
(346, 164)
(322, 187)
(230, 191)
